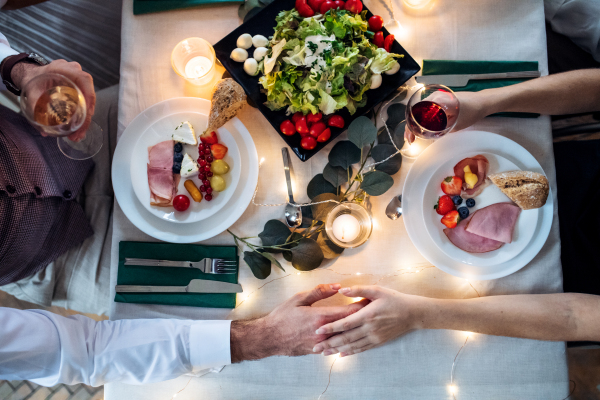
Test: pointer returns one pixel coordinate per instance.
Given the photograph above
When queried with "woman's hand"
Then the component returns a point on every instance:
(388, 315)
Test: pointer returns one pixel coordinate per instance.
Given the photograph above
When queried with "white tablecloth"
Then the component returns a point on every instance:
(418, 364)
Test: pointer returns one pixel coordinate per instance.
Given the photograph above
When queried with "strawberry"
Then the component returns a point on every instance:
(452, 185)
(218, 151)
(444, 205)
(209, 137)
(451, 219)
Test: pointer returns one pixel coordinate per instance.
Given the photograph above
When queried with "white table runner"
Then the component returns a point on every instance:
(416, 366)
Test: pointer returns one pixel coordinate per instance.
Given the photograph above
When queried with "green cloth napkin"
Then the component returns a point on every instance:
(450, 67)
(150, 6)
(166, 276)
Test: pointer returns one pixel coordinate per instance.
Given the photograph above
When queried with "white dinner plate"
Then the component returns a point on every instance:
(167, 230)
(415, 205)
(160, 131)
(491, 194)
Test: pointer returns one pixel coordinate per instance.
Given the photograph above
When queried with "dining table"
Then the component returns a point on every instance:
(417, 365)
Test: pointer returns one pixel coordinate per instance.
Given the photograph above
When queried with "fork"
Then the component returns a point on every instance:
(206, 265)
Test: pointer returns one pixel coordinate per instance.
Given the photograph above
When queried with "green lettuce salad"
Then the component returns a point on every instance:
(321, 64)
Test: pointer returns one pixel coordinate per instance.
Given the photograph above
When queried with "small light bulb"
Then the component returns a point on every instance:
(452, 389)
(298, 273)
(358, 273)
(357, 298)
(175, 395)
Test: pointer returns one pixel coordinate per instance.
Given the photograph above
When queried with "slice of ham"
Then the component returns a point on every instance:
(161, 180)
(479, 166)
(470, 242)
(495, 222)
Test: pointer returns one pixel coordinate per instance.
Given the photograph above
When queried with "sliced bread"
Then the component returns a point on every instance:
(527, 189)
(228, 98)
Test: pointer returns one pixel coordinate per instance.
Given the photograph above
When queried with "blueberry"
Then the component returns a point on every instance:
(176, 167)
(457, 200)
(178, 157)
(178, 147)
(463, 212)
(470, 202)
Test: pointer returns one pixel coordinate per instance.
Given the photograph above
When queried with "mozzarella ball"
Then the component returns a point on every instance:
(260, 53)
(260, 41)
(375, 81)
(394, 69)
(239, 55)
(244, 41)
(251, 66)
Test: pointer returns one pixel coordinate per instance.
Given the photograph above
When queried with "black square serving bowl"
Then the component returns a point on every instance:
(263, 23)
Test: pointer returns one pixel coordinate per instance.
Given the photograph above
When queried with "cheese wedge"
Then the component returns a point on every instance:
(184, 133)
(189, 167)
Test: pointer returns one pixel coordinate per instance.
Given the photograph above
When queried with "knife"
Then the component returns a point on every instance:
(195, 286)
(463, 80)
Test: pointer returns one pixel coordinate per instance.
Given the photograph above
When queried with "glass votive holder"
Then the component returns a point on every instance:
(348, 225)
(414, 150)
(194, 60)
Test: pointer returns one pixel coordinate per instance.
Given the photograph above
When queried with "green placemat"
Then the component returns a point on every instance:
(166, 276)
(449, 67)
(150, 6)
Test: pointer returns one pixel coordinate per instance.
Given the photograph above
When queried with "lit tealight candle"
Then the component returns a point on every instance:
(194, 60)
(197, 67)
(346, 228)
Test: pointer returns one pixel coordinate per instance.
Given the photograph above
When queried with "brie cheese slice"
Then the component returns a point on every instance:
(189, 167)
(184, 133)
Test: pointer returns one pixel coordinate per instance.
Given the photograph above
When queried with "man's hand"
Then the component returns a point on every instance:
(388, 315)
(24, 72)
(289, 330)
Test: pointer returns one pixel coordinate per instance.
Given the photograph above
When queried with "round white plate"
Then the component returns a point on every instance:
(160, 131)
(415, 205)
(522, 234)
(163, 229)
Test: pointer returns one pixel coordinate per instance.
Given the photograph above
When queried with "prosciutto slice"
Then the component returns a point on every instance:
(161, 180)
(495, 222)
(470, 242)
(479, 166)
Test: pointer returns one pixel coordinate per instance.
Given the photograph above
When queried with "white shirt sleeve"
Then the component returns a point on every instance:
(5, 49)
(47, 349)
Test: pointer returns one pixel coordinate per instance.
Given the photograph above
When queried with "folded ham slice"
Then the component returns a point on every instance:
(495, 222)
(470, 242)
(479, 166)
(161, 180)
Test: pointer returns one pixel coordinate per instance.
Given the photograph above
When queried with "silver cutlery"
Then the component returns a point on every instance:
(195, 286)
(394, 208)
(293, 213)
(463, 80)
(206, 265)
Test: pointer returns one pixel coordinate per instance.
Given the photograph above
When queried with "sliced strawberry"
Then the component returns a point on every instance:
(209, 137)
(444, 205)
(451, 219)
(452, 185)
(218, 151)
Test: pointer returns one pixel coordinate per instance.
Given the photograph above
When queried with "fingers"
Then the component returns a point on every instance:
(408, 135)
(320, 292)
(336, 313)
(370, 292)
(360, 350)
(351, 348)
(343, 339)
(344, 324)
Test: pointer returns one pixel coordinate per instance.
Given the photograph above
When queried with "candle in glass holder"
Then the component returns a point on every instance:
(194, 60)
(197, 67)
(346, 228)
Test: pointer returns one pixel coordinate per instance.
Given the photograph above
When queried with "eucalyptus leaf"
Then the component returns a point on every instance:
(307, 218)
(287, 255)
(274, 233)
(344, 154)
(307, 255)
(273, 260)
(337, 176)
(259, 264)
(376, 183)
(252, 13)
(396, 114)
(362, 132)
(383, 151)
(330, 250)
(397, 135)
(318, 185)
(320, 211)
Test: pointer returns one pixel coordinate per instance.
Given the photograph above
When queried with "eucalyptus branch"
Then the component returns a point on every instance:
(254, 247)
(362, 165)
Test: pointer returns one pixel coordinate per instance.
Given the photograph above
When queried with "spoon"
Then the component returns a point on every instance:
(293, 213)
(394, 209)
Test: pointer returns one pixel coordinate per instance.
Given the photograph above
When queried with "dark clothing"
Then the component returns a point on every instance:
(39, 217)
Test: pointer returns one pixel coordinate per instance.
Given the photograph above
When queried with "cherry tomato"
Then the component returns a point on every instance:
(354, 6)
(296, 117)
(307, 143)
(375, 23)
(317, 129)
(326, 6)
(336, 121)
(315, 4)
(301, 126)
(287, 128)
(324, 136)
(303, 9)
(339, 4)
(378, 39)
(389, 41)
(181, 202)
(312, 118)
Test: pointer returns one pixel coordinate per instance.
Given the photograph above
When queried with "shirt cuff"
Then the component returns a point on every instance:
(210, 344)
(5, 49)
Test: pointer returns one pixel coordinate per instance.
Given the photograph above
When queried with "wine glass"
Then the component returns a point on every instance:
(53, 104)
(432, 111)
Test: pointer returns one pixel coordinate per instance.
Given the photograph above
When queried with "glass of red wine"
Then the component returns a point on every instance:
(432, 111)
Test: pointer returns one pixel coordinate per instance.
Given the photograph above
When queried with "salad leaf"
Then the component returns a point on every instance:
(382, 61)
(328, 104)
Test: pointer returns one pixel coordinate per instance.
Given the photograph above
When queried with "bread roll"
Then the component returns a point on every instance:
(227, 99)
(527, 189)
